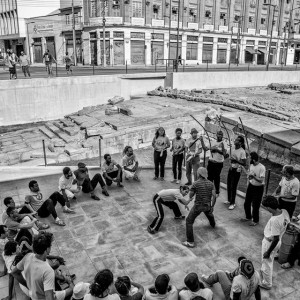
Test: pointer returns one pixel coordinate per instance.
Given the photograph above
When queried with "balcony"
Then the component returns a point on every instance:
(223, 28)
(158, 23)
(137, 21)
(174, 24)
(251, 31)
(294, 36)
(194, 26)
(208, 27)
(69, 27)
(109, 21)
(263, 32)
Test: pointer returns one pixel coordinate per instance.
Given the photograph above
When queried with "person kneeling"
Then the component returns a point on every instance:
(130, 164)
(168, 198)
(112, 171)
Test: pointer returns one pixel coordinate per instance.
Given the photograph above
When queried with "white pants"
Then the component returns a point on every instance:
(70, 192)
(27, 220)
(59, 295)
(129, 174)
(267, 263)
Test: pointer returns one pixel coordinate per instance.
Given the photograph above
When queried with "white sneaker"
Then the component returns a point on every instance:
(231, 207)
(226, 202)
(178, 181)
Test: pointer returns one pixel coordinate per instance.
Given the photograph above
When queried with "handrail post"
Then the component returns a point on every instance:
(100, 154)
(126, 66)
(44, 150)
(268, 181)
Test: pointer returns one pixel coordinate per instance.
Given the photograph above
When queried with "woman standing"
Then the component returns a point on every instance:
(238, 159)
(160, 144)
(178, 145)
(11, 62)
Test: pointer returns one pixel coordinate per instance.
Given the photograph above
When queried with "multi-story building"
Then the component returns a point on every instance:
(13, 26)
(145, 32)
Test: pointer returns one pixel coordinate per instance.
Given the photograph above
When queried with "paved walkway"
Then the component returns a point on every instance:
(112, 234)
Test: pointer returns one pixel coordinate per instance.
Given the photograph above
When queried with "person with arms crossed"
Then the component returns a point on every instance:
(255, 189)
(67, 185)
(112, 171)
(130, 164)
(168, 198)
(288, 190)
(271, 243)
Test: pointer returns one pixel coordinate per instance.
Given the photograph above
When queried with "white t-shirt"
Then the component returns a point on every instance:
(277, 225)
(217, 157)
(237, 154)
(206, 293)
(193, 147)
(65, 183)
(289, 188)
(108, 297)
(39, 276)
(109, 168)
(170, 195)
(260, 172)
(245, 286)
(129, 161)
(8, 262)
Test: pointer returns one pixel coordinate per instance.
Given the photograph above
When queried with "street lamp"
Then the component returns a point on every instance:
(269, 52)
(28, 43)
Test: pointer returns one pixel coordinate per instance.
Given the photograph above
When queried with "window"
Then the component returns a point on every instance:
(262, 21)
(223, 20)
(156, 12)
(207, 14)
(116, 4)
(192, 51)
(137, 9)
(236, 18)
(250, 19)
(67, 19)
(93, 8)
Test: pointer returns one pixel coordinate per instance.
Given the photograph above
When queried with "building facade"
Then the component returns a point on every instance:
(147, 32)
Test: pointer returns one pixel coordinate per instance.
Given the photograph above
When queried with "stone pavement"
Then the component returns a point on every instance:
(112, 234)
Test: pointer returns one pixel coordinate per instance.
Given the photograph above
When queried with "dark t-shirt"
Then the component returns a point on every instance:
(48, 58)
(137, 296)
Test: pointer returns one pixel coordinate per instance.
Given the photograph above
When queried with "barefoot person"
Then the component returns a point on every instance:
(273, 233)
(168, 198)
(238, 160)
(36, 202)
(205, 201)
(255, 189)
(215, 162)
(160, 144)
(112, 171)
(88, 185)
(178, 145)
(130, 164)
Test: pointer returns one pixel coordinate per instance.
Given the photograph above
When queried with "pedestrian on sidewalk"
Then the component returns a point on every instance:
(160, 144)
(193, 148)
(215, 162)
(69, 63)
(255, 189)
(168, 198)
(25, 63)
(88, 185)
(178, 146)
(48, 59)
(271, 242)
(205, 201)
(288, 190)
(11, 62)
(238, 160)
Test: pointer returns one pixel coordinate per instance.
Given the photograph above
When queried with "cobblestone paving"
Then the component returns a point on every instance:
(112, 234)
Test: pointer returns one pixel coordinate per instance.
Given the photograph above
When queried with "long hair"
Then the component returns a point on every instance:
(126, 149)
(102, 281)
(157, 132)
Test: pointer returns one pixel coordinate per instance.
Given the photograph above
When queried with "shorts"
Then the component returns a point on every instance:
(59, 295)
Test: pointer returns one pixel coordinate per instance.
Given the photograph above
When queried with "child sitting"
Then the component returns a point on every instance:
(126, 292)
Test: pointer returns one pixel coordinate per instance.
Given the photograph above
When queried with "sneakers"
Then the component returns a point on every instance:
(179, 218)
(105, 193)
(231, 207)
(205, 279)
(95, 197)
(178, 181)
(67, 210)
(161, 179)
(150, 230)
(189, 245)
(226, 202)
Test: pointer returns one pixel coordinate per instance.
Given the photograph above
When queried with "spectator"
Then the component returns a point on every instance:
(273, 233)
(36, 277)
(204, 202)
(293, 256)
(3, 233)
(168, 198)
(124, 286)
(9, 254)
(25, 63)
(80, 290)
(67, 185)
(88, 185)
(162, 290)
(44, 207)
(193, 148)
(194, 288)
(243, 286)
(112, 171)
(238, 159)
(11, 61)
(178, 146)
(101, 287)
(215, 162)
(48, 59)
(255, 189)
(288, 190)
(160, 144)
(69, 63)
(130, 164)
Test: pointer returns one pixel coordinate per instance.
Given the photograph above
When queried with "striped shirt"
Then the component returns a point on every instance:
(170, 195)
(203, 189)
(35, 200)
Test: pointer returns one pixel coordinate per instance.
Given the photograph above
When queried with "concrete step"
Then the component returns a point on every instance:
(52, 127)
(48, 133)
(68, 130)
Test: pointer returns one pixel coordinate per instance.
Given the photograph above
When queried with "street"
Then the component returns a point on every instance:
(40, 71)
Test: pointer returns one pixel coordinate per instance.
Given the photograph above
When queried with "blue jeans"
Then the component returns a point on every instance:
(194, 213)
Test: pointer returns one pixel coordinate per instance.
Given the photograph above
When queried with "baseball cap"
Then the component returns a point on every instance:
(192, 282)
(246, 268)
(194, 130)
(80, 290)
(202, 172)
(161, 283)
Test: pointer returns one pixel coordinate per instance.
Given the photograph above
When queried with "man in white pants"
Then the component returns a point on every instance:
(130, 164)
(273, 233)
(67, 186)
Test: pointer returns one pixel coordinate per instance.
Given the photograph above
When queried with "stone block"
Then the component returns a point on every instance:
(67, 122)
(115, 100)
(58, 143)
(4, 160)
(296, 149)
(37, 144)
(52, 127)
(285, 138)
(40, 154)
(73, 151)
(71, 130)
(15, 147)
(25, 156)
(51, 147)
(49, 134)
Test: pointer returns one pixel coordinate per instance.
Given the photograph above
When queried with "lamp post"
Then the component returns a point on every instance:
(270, 45)
(103, 24)
(28, 42)
(177, 45)
(74, 34)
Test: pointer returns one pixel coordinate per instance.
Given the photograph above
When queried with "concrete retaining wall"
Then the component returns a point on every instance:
(215, 80)
(25, 101)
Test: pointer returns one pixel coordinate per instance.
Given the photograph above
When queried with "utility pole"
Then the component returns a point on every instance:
(178, 14)
(74, 35)
(238, 41)
(284, 48)
(169, 50)
(103, 23)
